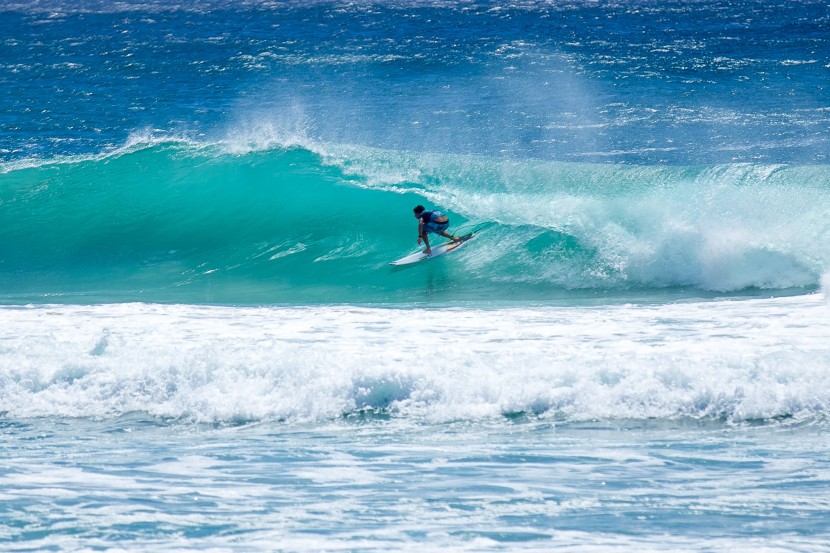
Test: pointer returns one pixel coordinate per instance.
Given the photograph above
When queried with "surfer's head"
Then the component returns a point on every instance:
(418, 210)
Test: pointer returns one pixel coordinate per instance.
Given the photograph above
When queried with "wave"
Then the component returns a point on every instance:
(736, 361)
(171, 220)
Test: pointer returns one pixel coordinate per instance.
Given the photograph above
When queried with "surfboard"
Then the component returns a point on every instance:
(438, 250)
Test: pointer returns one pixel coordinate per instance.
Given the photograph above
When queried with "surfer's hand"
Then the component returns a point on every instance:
(419, 240)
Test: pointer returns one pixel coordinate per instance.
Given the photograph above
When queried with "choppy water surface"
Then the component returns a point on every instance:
(203, 345)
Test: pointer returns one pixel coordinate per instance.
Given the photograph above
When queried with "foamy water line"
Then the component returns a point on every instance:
(733, 360)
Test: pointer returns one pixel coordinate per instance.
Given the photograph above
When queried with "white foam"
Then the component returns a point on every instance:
(139, 139)
(733, 359)
(258, 130)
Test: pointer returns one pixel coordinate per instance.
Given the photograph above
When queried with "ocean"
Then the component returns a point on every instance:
(204, 347)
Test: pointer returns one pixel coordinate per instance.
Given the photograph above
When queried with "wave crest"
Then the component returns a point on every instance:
(287, 220)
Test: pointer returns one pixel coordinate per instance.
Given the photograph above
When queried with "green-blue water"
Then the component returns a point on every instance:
(204, 346)
(175, 222)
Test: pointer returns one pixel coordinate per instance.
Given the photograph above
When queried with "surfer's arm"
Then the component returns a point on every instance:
(428, 250)
(421, 234)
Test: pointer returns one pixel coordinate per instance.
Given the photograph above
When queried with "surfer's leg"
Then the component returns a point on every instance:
(428, 250)
(452, 237)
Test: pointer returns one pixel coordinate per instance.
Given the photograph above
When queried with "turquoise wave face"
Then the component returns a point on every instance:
(177, 222)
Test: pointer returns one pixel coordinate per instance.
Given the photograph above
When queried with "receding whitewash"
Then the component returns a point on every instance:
(749, 359)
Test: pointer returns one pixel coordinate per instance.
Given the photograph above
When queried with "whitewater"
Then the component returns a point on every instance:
(204, 346)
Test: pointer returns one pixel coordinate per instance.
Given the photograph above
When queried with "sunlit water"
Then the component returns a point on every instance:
(203, 346)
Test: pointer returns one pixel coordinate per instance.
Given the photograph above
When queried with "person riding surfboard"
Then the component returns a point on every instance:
(432, 222)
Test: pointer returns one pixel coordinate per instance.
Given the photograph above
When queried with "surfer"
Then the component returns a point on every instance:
(432, 222)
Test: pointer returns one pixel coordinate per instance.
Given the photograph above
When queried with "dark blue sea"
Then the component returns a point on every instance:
(203, 346)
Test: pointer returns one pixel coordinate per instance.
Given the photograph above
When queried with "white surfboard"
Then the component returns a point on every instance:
(440, 249)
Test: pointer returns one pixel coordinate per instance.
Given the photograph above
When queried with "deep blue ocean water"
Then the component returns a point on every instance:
(203, 346)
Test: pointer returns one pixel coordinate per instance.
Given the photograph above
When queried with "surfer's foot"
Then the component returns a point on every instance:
(428, 251)
(455, 238)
